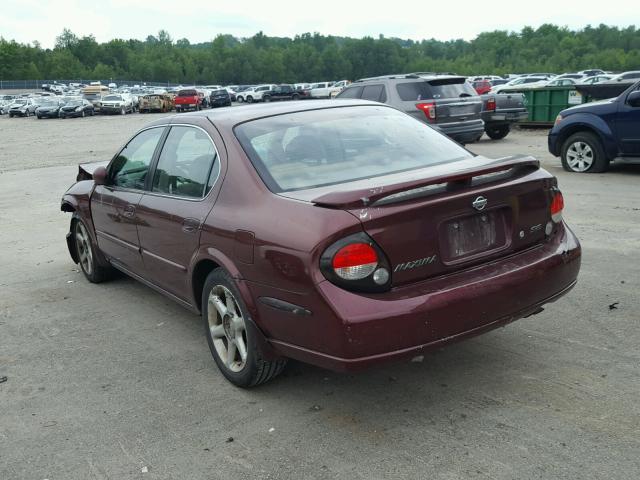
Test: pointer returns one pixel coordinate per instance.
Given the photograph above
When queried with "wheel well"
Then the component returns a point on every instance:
(576, 129)
(200, 274)
(67, 207)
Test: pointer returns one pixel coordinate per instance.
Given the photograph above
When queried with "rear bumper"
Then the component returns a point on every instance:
(409, 320)
(501, 116)
(462, 132)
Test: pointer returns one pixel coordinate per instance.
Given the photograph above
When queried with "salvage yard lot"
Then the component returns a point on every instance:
(113, 380)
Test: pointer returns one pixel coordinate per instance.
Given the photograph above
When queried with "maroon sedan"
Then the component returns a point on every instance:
(338, 234)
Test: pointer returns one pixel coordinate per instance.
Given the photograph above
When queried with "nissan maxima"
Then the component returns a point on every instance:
(342, 234)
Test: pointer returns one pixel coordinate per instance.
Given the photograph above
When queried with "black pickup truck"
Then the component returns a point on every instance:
(281, 92)
(500, 111)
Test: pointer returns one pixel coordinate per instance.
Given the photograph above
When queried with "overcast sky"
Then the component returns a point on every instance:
(201, 20)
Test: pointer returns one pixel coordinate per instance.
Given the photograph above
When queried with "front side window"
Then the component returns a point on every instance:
(129, 169)
(185, 164)
(310, 149)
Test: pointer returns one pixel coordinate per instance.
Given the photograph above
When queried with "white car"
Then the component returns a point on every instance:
(253, 94)
(337, 87)
(561, 82)
(519, 83)
(595, 79)
(116, 103)
(321, 89)
(627, 76)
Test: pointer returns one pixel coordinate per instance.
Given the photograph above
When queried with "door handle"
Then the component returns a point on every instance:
(190, 225)
(129, 211)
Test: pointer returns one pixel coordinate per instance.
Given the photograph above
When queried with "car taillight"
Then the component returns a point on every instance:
(557, 205)
(355, 261)
(429, 109)
(491, 104)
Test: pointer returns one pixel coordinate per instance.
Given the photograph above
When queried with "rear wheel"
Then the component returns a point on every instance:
(231, 336)
(497, 133)
(582, 152)
(86, 254)
(295, 96)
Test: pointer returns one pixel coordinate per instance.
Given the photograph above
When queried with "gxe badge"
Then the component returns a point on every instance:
(479, 203)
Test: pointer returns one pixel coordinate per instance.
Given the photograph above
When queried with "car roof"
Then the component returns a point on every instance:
(230, 116)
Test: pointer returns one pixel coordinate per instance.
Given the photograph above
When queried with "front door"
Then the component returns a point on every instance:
(628, 127)
(171, 213)
(114, 205)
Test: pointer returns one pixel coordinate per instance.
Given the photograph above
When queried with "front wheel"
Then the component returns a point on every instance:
(86, 254)
(231, 335)
(582, 152)
(497, 133)
(123, 111)
(266, 98)
(239, 99)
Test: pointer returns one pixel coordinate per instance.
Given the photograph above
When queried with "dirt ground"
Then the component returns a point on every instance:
(114, 381)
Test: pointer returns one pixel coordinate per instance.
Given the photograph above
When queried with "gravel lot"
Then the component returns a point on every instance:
(116, 382)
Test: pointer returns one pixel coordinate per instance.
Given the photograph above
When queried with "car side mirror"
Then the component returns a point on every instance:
(634, 99)
(100, 176)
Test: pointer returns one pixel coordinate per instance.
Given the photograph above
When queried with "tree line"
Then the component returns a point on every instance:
(314, 57)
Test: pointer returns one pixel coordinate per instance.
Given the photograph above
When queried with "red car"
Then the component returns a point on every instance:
(482, 86)
(188, 99)
(340, 234)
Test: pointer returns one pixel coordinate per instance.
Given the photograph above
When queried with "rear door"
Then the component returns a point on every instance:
(172, 212)
(114, 206)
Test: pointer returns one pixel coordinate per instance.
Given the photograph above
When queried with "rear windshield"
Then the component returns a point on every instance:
(112, 97)
(311, 149)
(434, 89)
(219, 92)
(187, 93)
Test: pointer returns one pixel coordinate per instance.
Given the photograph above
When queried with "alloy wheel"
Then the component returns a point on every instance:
(227, 328)
(85, 254)
(580, 156)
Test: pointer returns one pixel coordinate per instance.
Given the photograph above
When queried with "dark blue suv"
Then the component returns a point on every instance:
(589, 136)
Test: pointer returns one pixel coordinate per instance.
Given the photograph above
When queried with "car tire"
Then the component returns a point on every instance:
(82, 114)
(239, 99)
(229, 325)
(295, 96)
(123, 111)
(583, 152)
(497, 133)
(86, 252)
(266, 99)
(249, 99)
(38, 117)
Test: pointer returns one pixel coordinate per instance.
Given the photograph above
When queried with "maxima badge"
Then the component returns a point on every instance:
(479, 203)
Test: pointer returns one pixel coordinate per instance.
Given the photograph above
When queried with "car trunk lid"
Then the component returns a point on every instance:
(453, 218)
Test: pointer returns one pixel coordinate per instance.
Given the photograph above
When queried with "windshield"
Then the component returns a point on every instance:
(49, 103)
(74, 103)
(20, 102)
(112, 97)
(325, 147)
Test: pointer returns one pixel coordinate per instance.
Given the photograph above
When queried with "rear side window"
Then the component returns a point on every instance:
(353, 92)
(129, 169)
(374, 93)
(185, 164)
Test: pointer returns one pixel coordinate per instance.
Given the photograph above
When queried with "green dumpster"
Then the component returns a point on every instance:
(544, 104)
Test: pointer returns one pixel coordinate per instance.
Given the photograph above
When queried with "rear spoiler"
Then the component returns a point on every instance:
(366, 196)
(85, 170)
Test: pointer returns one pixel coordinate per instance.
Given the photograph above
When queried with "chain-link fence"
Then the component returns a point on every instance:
(37, 84)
